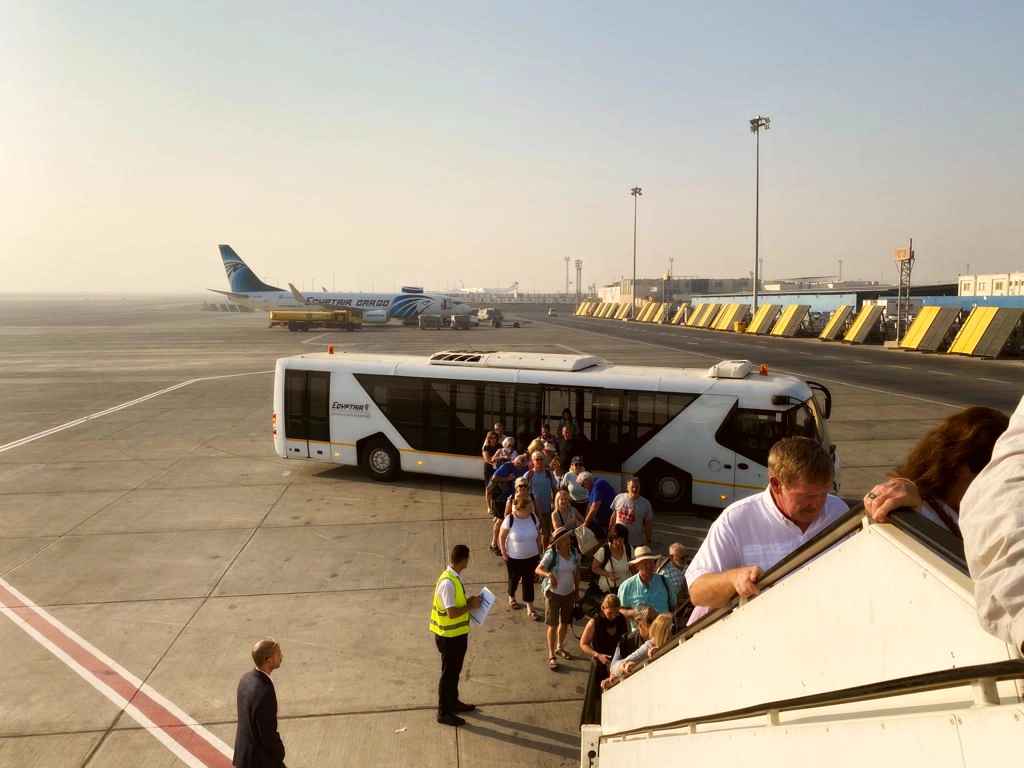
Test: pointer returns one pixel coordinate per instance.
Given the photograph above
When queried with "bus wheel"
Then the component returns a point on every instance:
(666, 486)
(381, 459)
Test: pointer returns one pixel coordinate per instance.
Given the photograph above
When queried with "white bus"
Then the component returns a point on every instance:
(693, 436)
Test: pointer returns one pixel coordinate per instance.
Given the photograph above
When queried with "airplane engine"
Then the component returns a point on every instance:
(375, 317)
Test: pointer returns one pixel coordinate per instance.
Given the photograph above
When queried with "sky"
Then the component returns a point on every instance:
(365, 146)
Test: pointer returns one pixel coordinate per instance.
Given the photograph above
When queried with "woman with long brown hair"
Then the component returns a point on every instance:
(947, 458)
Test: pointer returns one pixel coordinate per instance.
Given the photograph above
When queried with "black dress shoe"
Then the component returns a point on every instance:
(449, 719)
(461, 706)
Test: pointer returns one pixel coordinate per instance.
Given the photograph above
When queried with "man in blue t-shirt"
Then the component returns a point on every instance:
(503, 481)
(599, 504)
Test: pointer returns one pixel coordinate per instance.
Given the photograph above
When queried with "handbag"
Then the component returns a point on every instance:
(587, 539)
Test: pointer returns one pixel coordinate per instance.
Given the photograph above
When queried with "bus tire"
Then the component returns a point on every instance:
(380, 459)
(666, 486)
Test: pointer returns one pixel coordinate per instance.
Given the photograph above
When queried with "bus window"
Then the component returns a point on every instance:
(496, 407)
(401, 401)
(527, 415)
(752, 433)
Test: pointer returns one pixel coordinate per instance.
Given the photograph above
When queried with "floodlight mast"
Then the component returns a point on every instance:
(756, 124)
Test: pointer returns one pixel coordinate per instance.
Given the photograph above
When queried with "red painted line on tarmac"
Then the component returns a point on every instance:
(134, 695)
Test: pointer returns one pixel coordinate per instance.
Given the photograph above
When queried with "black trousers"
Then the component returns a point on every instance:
(453, 653)
(522, 570)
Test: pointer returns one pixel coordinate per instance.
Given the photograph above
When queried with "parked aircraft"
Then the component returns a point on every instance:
(514, 288)
(406, 305)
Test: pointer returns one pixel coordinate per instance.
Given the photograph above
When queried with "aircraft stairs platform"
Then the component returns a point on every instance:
(863, 649)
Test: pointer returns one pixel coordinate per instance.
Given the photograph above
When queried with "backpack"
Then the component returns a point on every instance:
(608, 556)
(536, 520)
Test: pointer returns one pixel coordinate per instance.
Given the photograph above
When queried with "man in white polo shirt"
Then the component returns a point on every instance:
(753, 534)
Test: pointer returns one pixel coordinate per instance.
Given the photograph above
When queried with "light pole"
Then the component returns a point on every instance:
(635, 192)
(755, 128)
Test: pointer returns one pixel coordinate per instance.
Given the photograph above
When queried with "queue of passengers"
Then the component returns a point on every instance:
(749, 536)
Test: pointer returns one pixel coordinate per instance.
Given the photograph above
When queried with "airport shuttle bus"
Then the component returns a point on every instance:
(693, 436)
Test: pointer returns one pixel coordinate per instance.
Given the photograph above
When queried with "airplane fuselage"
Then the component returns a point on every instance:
(401, 306)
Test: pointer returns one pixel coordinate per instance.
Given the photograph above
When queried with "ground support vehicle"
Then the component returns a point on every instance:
(305, 319)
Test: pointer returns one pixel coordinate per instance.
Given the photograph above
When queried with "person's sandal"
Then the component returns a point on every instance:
(552, 663)
(495, 550)
(533, 615)
(563, 653)
(513, 604)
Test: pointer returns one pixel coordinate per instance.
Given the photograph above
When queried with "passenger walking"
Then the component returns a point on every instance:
(555, 465)
(560, 569)
(945, 461)
(674, 569)
(661, 632)
(564, 516)
(634, 511)
(568, 421)
(599, 503)
(542, 487)
(257, 742)
(646, 586)
(519, 542)
(449, 621)
(611, 562)
(643, 617)
(578, 495)
(599, 640)
(570, 443)
(487, 453)
(753, 534)
(501, 490)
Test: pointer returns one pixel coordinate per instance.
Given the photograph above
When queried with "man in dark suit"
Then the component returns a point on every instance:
(257, 742)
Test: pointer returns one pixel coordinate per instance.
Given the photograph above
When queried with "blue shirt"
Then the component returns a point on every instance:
(602, 491)
(658, 594)
(509, 470)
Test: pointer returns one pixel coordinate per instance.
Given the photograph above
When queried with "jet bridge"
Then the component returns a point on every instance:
(863, 649)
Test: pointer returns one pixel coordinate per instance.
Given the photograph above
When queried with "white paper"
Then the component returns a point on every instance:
(478, 614)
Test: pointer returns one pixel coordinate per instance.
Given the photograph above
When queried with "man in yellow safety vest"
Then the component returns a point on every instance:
(449, 621)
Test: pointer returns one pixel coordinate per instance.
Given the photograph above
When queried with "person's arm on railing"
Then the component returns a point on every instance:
(715, 590)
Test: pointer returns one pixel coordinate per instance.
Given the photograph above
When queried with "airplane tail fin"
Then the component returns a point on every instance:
(241, 279)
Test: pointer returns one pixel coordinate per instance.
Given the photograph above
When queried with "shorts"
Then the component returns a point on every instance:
(558, 608)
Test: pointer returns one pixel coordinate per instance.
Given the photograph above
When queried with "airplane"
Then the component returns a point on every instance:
(511, 289)
(377, 308)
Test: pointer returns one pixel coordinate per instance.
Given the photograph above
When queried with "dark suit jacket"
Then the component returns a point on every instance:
(257, 742)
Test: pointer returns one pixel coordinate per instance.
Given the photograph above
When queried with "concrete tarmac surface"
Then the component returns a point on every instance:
(154, 535)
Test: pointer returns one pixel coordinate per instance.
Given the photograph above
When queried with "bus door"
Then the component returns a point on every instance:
(715, 463)
(307, 407)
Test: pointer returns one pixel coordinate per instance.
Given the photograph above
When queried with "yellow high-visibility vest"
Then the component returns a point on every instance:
(440, 624)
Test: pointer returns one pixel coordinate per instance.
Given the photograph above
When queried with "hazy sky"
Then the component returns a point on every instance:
(369, 145)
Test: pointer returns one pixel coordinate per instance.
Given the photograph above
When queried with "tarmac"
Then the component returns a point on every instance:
(149, 535)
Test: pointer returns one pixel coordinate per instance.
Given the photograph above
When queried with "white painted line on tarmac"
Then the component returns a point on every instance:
(313, 338)
(941, 373)
(129, 404)
(190, 742)
(994, 381)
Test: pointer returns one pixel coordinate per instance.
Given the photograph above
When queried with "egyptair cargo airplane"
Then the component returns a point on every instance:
(406, 305)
